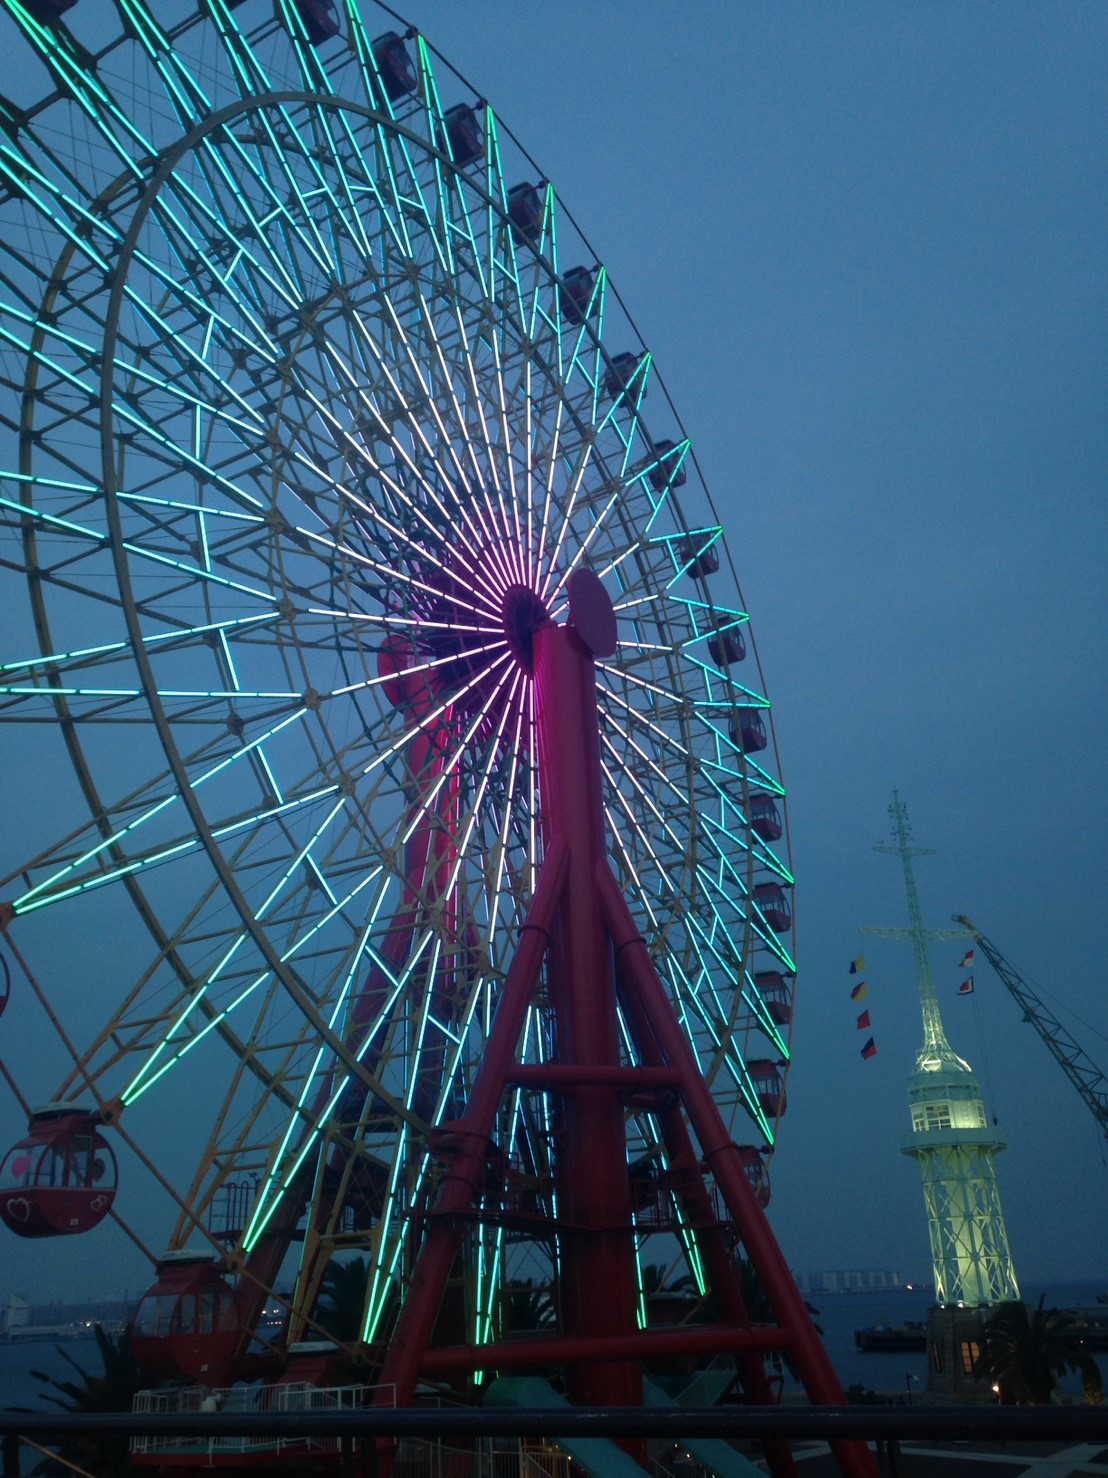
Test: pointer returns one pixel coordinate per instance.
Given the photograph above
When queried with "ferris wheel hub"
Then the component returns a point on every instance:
(523, 613)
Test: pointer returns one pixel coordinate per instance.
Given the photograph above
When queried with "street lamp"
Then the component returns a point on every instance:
(908, 1379)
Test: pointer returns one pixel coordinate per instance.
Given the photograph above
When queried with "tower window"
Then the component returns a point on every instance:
(971, 1353)
(931, 1116)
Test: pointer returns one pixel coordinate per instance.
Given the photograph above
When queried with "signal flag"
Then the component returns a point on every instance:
(966, 987)
(858, 965)
(863, 1020)
(967, 961)
(860, 991)
(870, 1049)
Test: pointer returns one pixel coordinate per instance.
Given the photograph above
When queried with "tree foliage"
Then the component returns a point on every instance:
(528, 1307)
(342, 1299)
(1027, 1350)
(112, 1390)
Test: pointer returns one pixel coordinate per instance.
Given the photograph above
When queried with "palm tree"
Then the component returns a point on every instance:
(113, 1390)
(528, 1307)
(1027, 1350)
(342, 1296)
(760, 1310)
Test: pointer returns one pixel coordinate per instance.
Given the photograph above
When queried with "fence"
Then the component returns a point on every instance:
(352, 1434)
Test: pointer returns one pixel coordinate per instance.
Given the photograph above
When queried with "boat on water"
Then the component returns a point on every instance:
(883, 1338)
(1091, 1326)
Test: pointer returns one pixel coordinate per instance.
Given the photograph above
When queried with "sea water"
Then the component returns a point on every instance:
(18, 1387)
(898, 1373)
(840, 1314)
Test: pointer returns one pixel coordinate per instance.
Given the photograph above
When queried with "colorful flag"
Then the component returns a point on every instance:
(967, 961)
(966, 987)
(858, 965)
(860, 991)
(870, 1049)
(863, 1020)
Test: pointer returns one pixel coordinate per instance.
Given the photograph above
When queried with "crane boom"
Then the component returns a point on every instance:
(1082, 1072)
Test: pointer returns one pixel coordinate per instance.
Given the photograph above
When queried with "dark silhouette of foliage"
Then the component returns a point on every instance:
(860, 1395)
(761, 1312)
(112, 1390)
(1026, 1351)
(528, 1307)
(342, 1297)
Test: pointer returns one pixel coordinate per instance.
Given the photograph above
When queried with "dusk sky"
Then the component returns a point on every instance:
(866, 244)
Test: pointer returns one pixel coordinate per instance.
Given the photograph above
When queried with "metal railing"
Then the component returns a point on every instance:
(354, 1434)
(296, 1397)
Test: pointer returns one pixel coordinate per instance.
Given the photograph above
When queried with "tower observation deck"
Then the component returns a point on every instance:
(951, 1138)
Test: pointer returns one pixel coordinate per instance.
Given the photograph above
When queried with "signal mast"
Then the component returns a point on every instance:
(955, 1148)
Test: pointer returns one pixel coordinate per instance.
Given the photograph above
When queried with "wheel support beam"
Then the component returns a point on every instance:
(580, 927)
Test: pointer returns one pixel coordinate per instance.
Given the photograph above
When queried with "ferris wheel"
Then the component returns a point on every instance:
(319, 411)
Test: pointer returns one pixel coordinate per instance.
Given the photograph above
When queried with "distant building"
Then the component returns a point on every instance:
(849, 1280)
(20, 1319)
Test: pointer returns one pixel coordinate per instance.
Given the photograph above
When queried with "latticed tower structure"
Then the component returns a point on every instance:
(951, 1137)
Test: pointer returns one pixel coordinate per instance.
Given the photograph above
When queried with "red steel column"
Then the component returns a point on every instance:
(598, 1278)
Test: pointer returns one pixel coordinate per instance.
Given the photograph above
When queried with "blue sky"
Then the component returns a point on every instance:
(865, 244)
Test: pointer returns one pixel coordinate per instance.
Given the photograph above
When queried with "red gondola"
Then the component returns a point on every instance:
(757, 1171)
(771, 899)
(187, 1325)
(765, 819)
(48, 11)
(394, 656)
(768, 1085)
(575, 294)
(727, 647)
(620, 373)
(394, 66)
(525, 206)
(318, 18)
(667, 472)
(777, 993)
(748, 730)
(464, 134)
(60, 1179)
(696, 561)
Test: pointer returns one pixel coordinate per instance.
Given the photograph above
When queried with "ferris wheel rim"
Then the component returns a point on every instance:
(212, 848)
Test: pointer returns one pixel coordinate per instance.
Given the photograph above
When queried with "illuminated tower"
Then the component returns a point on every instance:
(951, 1137)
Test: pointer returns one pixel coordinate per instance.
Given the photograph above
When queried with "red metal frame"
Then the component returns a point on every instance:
(580, 927)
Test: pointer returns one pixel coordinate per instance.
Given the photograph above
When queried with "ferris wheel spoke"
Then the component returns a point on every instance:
(580, 368)
(653, 808)
(362, 429)
(77, 79)
(178, 1035)
(56, 887)
(483, 533)
(426, 486)
(313, 1118)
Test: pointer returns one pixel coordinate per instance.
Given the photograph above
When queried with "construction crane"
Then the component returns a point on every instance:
(1082, 1072)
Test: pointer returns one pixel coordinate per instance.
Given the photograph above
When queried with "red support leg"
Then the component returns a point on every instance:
(598, 1279)
(721, 1155)
(467, 1149)
(578, 924)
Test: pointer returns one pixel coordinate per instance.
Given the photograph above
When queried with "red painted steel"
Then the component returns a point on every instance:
(464, 1146)
(647, 1344)
(579, 925)
(598, 1281)
(722, 1157)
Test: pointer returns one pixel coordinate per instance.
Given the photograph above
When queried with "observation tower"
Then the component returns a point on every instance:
(955, 1147)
